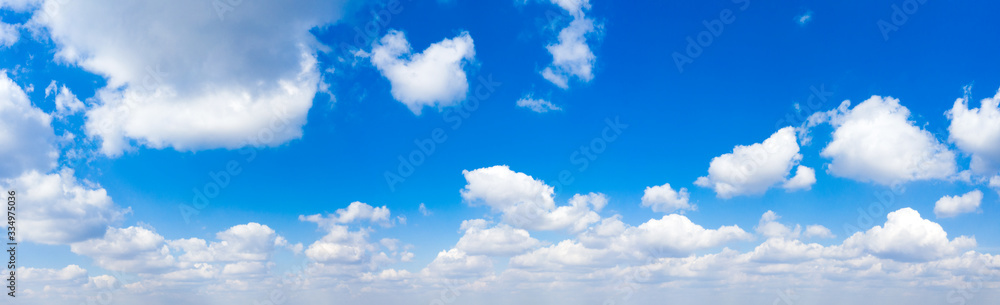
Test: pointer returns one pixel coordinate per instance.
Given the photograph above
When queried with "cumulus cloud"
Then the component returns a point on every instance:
(66, 102)
(356, 211)
(500, 240)
(455, 263)
(804, 178)
(674, 235)
(571, 54)
(976, 131)
(818, 231)
(664, 199)
(769, 227)
(341, 246)
(755, 168)
(528, 203)
(62, 209)
(215, 79)
(434, 77)
(908, 237)
(537, 105)
(29, 127)
(875, 141)
(9, 34)
(951, 206)
(132, 249)
(247, 242)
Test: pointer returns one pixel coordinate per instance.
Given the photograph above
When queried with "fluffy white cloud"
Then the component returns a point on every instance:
(566, 253)
(571, 55)
(951, 206)
(500, 240)
(9, 34)
(434, 77)
(66, 102)
(191, 75)
(341, 246)
(755, 168)
(908, 237)
(58, 209)
(132, 249)
(672, 236)
(875, 141)
(356, 211)
(537, 105)
(29, 127)
(455, 263)
(526, 202)
(804, 178)
(664, 199)
(769, 227)
(247, 242)
(977, 131)
(819, 231)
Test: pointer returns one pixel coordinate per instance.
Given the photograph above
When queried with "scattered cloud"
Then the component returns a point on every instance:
(754, 169)
(976, 131)
(64, 209)
(571, 55)
(28, 127)
(805, 18)
(875, 141)
(434, 77)
(951, 206)
(537, 105)
(664, 199)
(191, 87)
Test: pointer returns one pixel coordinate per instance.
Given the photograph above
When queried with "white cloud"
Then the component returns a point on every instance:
(566, 253)
(753, 169)
(132, 249)
(341, 246)
(908, 237)
(537, 105)
(526, 202)
(434, 77)
(875, 141)
(976, 131)
(769, 227)
(500, 240)
(455, 263)
(571, 56)
(674, 235)
(664, 199)
(804, 18)
(247, 242)
(66, 102)
(9, 34)
(818, 231)
(182, 74)
(424, 211)
(356, 211)
(951, 206)
(28, 127)
(804, 178)
(58, 209)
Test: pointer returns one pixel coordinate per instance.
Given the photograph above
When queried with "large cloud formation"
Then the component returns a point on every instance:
(191, 74)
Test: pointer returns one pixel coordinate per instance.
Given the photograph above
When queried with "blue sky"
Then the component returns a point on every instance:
(712, 146)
